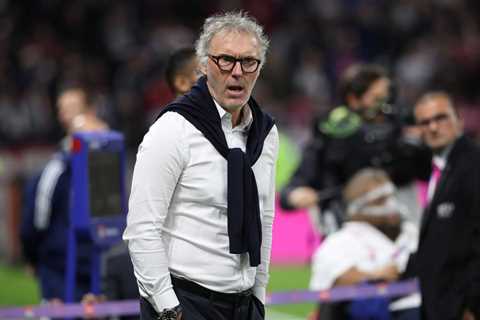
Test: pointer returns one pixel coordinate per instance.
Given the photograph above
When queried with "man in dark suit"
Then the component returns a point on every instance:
(448, 257)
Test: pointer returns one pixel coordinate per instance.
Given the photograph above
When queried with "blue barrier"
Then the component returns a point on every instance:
(131, 307)
(344, 293)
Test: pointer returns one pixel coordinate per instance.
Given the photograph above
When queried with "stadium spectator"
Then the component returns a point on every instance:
(182, 71)
(373, 245)
(448, 257)
(117, 46)
(46, 214)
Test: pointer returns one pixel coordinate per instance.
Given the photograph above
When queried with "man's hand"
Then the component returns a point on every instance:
(354, 276)
(303, 197)
(468, 315)
(90, 298)
(387, 273)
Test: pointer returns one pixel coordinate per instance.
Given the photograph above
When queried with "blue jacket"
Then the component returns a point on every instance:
(45, 221)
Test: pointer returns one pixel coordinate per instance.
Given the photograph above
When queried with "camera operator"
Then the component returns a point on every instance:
(366, 131)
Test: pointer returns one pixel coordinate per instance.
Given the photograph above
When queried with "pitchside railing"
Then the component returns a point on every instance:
(131, 307)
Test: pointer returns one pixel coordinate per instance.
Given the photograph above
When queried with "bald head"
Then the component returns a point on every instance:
(363, 182)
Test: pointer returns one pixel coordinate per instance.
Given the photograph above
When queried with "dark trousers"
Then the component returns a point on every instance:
(52, 284)
(200, 303)
(407, 314)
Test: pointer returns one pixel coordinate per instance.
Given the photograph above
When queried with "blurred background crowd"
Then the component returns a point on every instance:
(119, 49)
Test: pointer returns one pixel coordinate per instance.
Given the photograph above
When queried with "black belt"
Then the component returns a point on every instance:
(210, 294)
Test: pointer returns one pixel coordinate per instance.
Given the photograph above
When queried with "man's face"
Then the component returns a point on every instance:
(192, 71)
(71, 104)
(185, 80)
(438, 122)
(377, 93)
(232, 89)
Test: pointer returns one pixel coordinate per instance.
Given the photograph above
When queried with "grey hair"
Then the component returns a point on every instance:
(230, 21)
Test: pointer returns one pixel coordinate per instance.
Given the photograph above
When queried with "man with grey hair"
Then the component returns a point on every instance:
(199, 227)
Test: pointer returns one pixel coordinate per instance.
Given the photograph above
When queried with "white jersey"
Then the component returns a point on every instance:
(361, 245)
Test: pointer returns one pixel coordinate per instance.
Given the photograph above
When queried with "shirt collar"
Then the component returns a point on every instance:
(246, 116)
(440, 160)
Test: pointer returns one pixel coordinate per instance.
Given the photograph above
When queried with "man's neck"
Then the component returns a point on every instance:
(440, 156)
(237, 116)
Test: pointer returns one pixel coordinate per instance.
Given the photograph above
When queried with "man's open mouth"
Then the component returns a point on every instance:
(235, 88)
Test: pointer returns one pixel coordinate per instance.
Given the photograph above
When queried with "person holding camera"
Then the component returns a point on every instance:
(365, 131)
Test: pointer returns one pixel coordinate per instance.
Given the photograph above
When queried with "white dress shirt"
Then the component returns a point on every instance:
(177, 220)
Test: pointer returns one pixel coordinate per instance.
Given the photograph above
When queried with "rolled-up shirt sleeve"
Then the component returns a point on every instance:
(161, 158)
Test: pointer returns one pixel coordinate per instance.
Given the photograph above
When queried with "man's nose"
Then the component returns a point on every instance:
(237, 69)
(432, 126)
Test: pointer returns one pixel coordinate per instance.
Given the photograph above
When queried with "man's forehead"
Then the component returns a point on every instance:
(434, 105)
(235, 41)
(379, 86)
(72, 94)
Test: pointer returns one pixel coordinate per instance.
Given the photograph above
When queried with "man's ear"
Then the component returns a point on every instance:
(180, 84)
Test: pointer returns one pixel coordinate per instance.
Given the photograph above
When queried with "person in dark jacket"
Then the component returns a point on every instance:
(363, 132)
(448, 257)
(45, 218)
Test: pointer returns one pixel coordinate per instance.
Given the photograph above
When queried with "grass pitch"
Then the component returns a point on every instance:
(18, 288)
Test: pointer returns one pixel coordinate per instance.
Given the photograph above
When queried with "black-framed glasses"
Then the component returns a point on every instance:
(438, 118)
(226, 63)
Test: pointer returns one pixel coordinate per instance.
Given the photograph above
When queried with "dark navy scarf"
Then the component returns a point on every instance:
(244, 225)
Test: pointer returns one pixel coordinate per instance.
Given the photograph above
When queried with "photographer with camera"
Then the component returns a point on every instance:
(366, 131)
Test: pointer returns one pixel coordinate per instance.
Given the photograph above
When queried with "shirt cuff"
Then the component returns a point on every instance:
(165, 300)
(260, 293)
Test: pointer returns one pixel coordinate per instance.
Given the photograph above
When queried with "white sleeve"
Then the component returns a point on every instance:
(405, 244)
(45, 190)
(334, 257)
(261, 278)
(160, 161)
